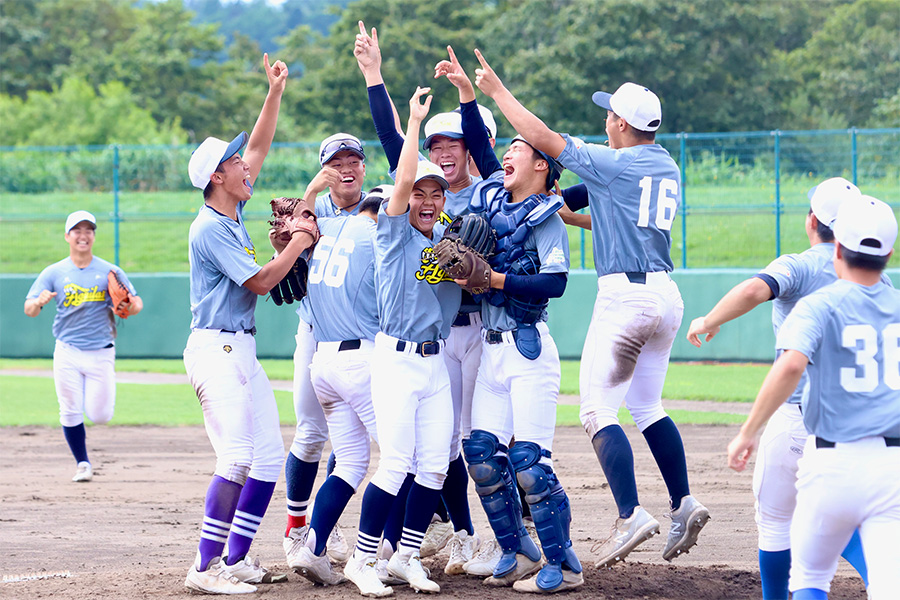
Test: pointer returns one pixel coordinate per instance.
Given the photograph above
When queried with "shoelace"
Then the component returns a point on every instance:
(598, 545)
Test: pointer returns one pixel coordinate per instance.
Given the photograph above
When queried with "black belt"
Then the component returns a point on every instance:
(251, 331)
(492, 336)
(423, 349)
(462, 319)
(349, 345)
(890, 442)
(635, 277)
(109, 345)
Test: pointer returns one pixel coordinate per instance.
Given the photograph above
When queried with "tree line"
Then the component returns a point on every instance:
(176, 71)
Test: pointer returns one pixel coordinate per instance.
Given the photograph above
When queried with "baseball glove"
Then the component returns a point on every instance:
(293, 286)
(290, 215)
(461, 252)
(118, 293)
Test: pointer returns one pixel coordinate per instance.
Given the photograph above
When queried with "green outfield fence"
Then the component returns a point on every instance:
(743, 198)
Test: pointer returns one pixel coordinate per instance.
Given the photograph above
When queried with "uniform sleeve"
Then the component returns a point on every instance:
(391, 231)
(804, 327)
(220, 248)
(552, 244)
(787, 272)
(593, 163)
(383, 118)
(43, 282)
(477, 142)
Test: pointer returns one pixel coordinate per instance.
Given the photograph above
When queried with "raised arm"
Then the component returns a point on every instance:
(409, 156)
(523, 121)
(384, 113)
(264, 131)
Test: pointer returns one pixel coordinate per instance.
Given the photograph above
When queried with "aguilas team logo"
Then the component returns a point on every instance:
(429, 270)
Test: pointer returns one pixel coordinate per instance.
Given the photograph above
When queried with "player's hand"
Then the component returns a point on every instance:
(277, 74)
(279, 243)
(453, 71)
(485, 77)
(366, 50)
(698, 327)
(326, 178)
(419, 110)
(740, 449)
(124, 306)
(45, 297)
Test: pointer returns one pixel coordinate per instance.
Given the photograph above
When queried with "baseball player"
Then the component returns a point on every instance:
(845, 336)
(518, 382)
(786, 280)
(410, 385)
(447, 149)
(85, 330)
(343, 307)
(343, 169)
(238, 405)
(633, 192)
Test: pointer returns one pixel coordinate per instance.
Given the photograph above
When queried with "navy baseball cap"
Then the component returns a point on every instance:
(636, 104)
(338, 143)
(556, 169)
(210, 154)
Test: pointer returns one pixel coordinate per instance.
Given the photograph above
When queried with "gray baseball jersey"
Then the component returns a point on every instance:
(416, 300)
(222, 258)
(341, 284)
(634, 195)
(851, 335)
(457, 203)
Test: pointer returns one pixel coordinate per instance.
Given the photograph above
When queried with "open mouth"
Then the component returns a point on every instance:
(347, 180)
(447, 167)
(426, 215)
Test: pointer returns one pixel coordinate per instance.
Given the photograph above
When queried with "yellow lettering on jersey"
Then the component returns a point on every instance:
(445, 218)
(77, 295)
(251, 252)
(429, 271)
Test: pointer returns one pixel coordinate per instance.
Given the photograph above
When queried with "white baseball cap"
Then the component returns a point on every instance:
(866, 225)
(338, 143)
(77, 217)
(448, 124)
(210, 154)
(487, 117)
(826, 198)
(428, 170)
(636, 104)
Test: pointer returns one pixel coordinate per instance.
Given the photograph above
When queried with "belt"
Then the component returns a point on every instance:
(109, 345)
(464, 319)
(423, 349)
(492, 336)
(635, 277)
(890, 442)
(349, 345)
(251, 331)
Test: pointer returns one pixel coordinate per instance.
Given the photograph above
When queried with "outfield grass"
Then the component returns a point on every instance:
(32, 400)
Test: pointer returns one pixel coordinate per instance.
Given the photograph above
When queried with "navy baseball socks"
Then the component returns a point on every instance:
(331, 500)
(774, 572)
(376, 506)
(617, 461)
(455, 496)
(299, 478)
(76, 438)
(393, 527)
(668, 452)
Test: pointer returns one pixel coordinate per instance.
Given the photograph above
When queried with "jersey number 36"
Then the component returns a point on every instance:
(864, 339)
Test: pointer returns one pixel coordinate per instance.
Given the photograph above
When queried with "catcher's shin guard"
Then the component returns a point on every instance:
(488, 467)
(548, 501)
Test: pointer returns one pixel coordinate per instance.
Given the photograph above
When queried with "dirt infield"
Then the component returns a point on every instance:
(133, 531)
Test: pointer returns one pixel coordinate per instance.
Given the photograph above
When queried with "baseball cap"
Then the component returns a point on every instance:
(448, 124)
(827, 197)
(210, 154)
(77, 217)
(556, 169)
(487, 117)
(866, 225)
(636, 104)
(428, 170)
(338, 143)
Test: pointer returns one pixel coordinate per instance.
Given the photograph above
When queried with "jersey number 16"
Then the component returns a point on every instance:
(666, 203)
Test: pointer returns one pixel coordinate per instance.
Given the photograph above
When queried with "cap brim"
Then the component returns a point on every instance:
(336, 152)
(235, 146)
(601, 99)
(453, 135)
(440, 180)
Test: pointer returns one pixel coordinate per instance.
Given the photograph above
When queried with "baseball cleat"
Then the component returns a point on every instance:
(383, 574)
(483, 563)
(250, 571)
(550, 579)
(317, 569)
(292, 543)
(436, 537)
(83, 472)
(409, 568)
(361, 571)
(524, 567)
(215, 580)
(627, 535)
(336, 547)
(687, 522)
(462, 549)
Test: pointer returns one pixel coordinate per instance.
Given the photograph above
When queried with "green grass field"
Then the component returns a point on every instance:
(32, 400)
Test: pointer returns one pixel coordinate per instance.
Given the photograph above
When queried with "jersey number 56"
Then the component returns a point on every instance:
(330, 261)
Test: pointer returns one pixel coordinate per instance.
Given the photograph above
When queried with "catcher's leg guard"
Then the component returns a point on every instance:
(549, 506)
(488, 461)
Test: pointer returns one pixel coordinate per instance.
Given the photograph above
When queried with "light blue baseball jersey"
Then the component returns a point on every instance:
(634, 195)
(341, 283)
(222, 258)
(851, 335)
(84, 311)
(457, 203)
(551, 242)
(417, 301)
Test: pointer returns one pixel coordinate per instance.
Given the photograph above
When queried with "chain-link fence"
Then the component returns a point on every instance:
(743, 198)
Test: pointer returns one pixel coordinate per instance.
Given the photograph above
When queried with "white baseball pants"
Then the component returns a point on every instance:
(312, 428)
(463, 357)
(85, 383)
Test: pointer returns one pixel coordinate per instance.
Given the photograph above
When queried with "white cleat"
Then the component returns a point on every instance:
(384, 575)
(483, 563)
(687, 522)
(337, 548)
(293, 542)
(436, 537)
(317, 569)
(250, 571)
(524, 567)
(627, 535)
(215, 580)
(362, 572)
(463, 548)
(409, 568)
(83, 472)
